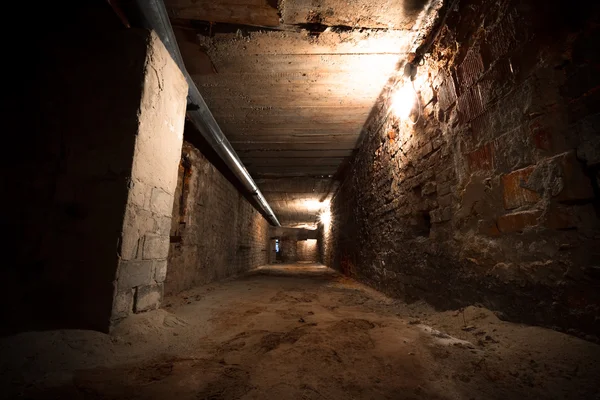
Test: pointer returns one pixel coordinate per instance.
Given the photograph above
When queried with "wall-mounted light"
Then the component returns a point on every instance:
(325, 217)
(405, 97)
(403, 101)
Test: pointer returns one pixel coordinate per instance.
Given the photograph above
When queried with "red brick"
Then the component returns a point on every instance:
(481, 159)
(514, 194)
(518, 221)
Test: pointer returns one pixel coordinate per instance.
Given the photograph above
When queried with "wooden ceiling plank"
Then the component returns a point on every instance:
(293, 153)
(245, 12)
(274, 144)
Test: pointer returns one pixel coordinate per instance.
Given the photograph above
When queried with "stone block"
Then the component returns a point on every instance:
(512, 150)
(481, 159)
(437, 143)
(500, 117)
(518, 221)
(499, 72)
(514, 192)
(444, 175)
(445, 200)
(129, 245)
(425, 205)
(160, 270)
(138, 193)
(403, 211)
(426, 149)
(561, 177)
(428, 188)
(161, 202)
(443, 189)
(162, 225)
(145, 221)
(137, 222)
(440, 215)
(134, 273)
(148, 297)
(122, 304)
(447, 93)
(155, 247)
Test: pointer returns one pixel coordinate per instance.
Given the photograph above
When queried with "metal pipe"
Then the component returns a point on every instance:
(156, 18)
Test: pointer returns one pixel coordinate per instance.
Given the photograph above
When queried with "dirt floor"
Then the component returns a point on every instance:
(301, 332)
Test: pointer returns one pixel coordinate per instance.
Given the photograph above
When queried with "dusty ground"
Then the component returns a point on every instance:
(301, 332)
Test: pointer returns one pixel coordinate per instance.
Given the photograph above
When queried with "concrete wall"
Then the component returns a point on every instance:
(216, 233)
(82, 124)
(493, 196)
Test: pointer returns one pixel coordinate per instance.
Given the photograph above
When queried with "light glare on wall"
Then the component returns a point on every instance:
(312, 204)
(315, 205)
(403, 101)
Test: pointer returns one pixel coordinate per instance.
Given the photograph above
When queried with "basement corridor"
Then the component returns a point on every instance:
(301, 199)
(301, 331)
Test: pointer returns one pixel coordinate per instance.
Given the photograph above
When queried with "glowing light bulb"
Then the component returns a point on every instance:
(325, 217)
(403, 101)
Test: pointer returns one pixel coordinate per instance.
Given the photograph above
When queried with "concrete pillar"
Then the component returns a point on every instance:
(144, 242)
(99, 125)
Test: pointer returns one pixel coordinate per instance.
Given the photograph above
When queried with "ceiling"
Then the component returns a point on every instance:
(292, 84)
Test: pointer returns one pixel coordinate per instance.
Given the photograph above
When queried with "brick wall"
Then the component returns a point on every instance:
(492, 197)
(215, 231)
(306, 250)
(289, 249)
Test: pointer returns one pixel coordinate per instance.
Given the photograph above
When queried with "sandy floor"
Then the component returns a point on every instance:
(301, 332)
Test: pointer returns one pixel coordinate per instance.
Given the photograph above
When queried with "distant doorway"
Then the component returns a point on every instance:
(275, 251)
